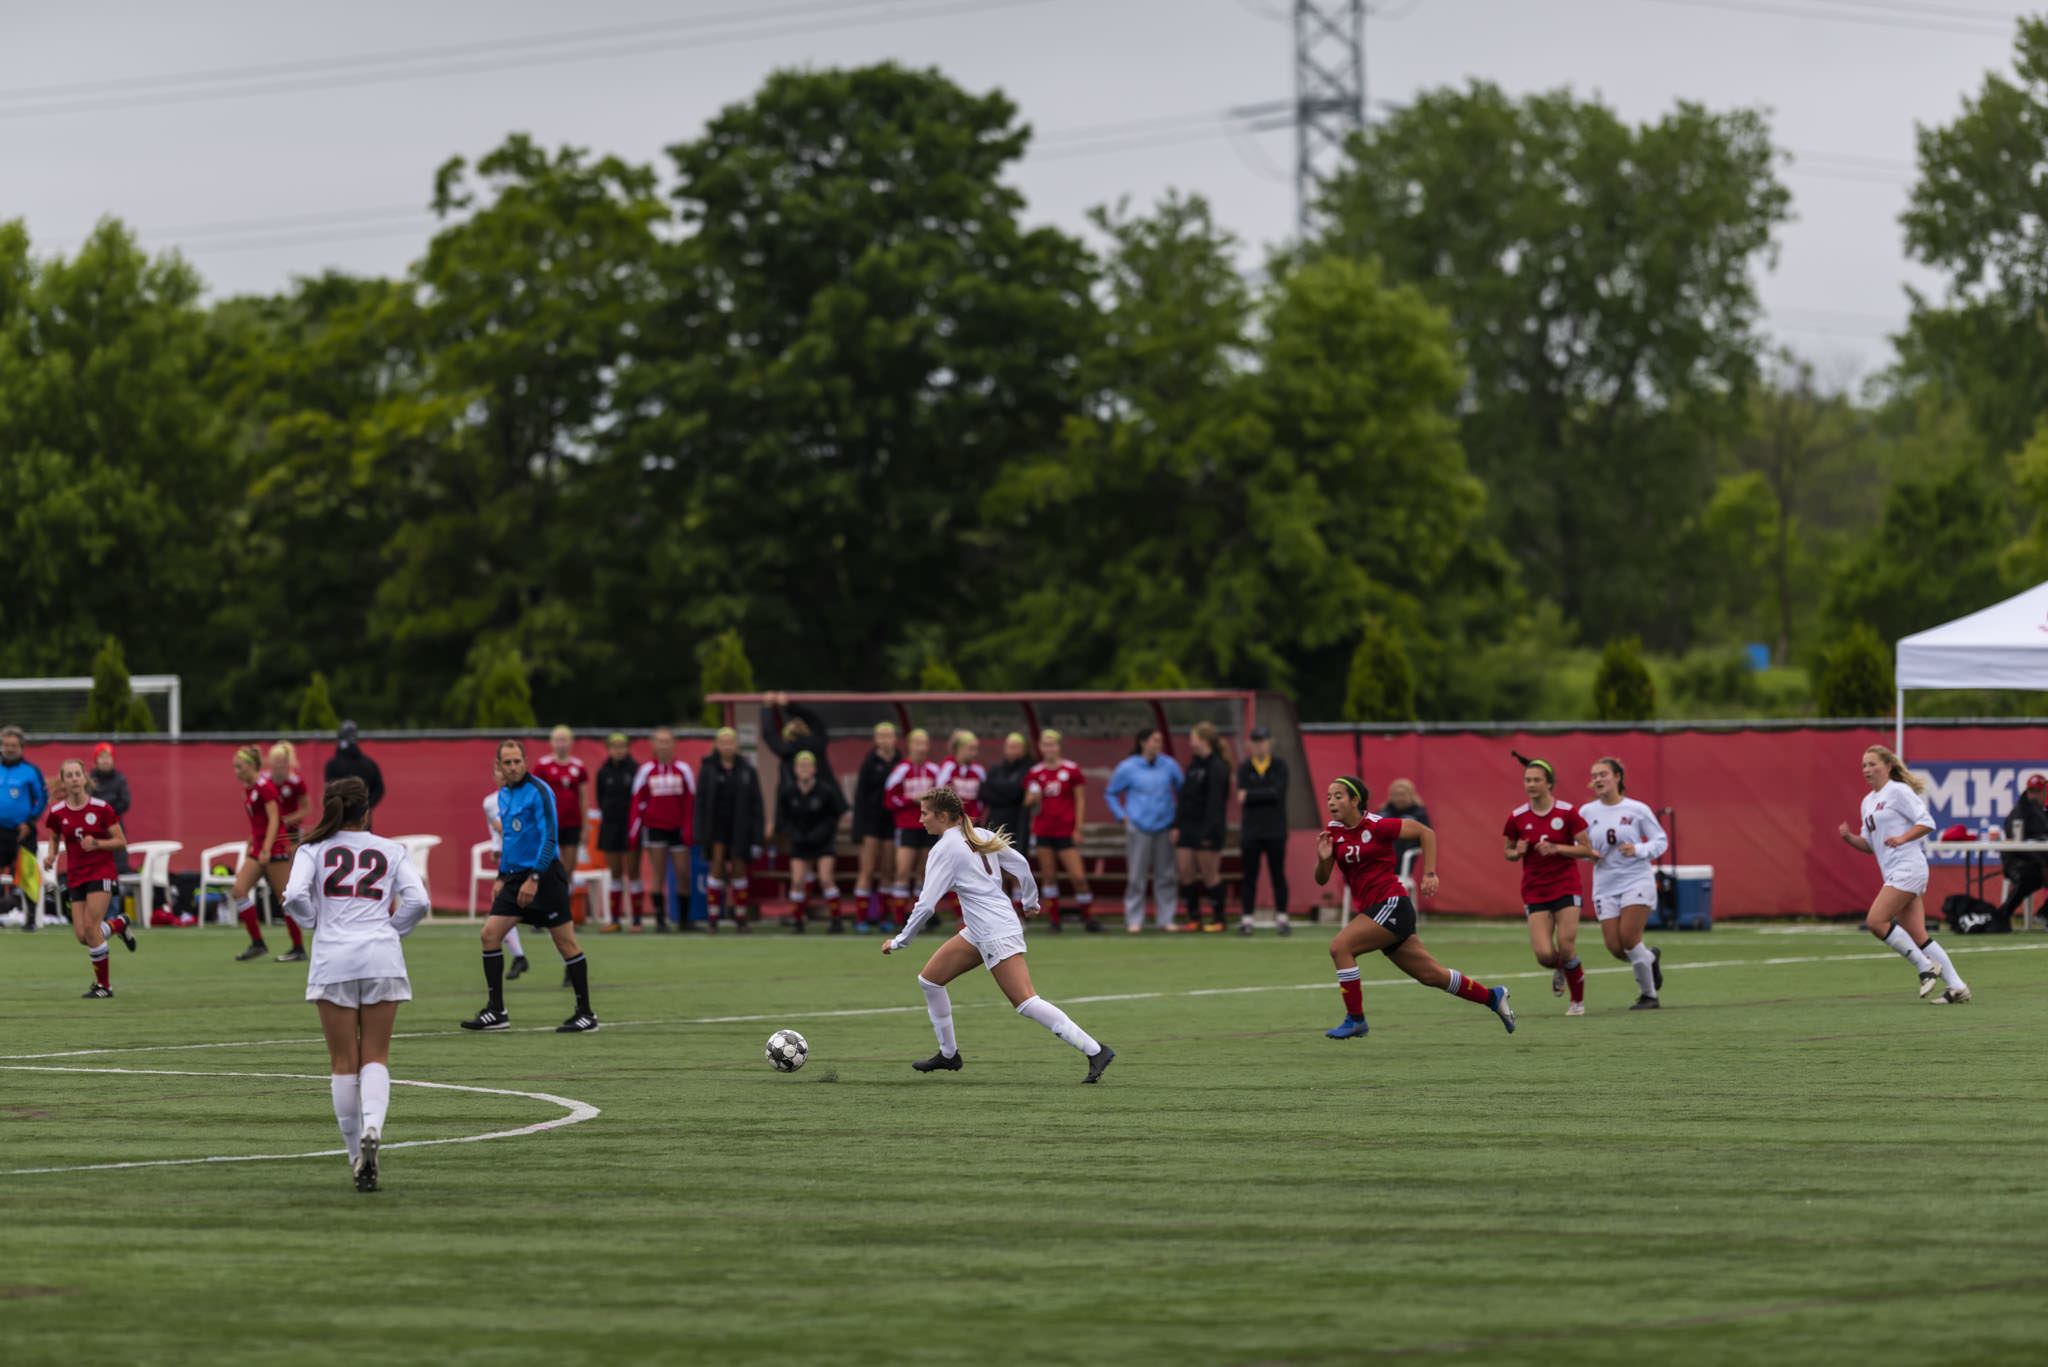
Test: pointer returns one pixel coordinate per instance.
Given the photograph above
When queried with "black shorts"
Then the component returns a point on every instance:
(569, 837)
(810, 852)
(660, 837)
(873, 825)
(1053, 842)
(611, 835)
(1397, 914)
(78, 892)
(1199, 840)
(550, 905)
(10, 846)
(916, 838)
(1555, 904)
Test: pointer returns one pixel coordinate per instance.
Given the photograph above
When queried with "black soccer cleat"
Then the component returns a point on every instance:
(1103, 1058)
(97, 991)
(518, 966)
(256, 950)
(295, 955)
(1656, 968)
(366, 1166)
(1645, 1002)
(128, 935)
(938, 1063)
(490, 1018)
(580, 1023)
(1091, 925)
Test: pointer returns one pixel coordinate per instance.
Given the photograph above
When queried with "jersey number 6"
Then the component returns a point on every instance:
(341, 862)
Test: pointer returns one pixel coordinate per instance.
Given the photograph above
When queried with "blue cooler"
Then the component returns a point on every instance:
(1693, 899)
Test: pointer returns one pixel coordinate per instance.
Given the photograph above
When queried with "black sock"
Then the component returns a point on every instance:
(494, 977)
(579, 980)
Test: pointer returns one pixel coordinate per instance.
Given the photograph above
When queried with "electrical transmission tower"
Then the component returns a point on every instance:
(1329, 94)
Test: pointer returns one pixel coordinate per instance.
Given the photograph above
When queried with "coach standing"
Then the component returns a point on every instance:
(1142, 794)
(23, 798)
(1262, 798)
(349, 761)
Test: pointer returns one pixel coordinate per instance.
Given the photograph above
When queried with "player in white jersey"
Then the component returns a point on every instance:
(518, 964)
(359, 894)
(1895, 822)
(970, 863)
(1627, 842)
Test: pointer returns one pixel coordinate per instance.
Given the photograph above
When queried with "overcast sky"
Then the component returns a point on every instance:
(324, 170)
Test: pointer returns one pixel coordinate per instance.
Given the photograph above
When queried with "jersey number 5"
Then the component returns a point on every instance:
(342, 861)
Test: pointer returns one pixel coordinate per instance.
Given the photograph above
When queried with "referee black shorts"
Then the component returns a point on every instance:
(550, 905)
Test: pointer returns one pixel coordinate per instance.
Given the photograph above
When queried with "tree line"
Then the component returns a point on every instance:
(814, 401)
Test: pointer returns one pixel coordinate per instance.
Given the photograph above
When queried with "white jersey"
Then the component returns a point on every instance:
(357, 893)
(1627, 822)
(1893, 810)
(977, 880)
(491, 821)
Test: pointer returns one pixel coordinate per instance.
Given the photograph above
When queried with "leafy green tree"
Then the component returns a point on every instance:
(1934, 556)
(112, 706)
(1150, 672)
(1855, 676)
(1622, 688)
(316, 709)
(723, 667)
(1381, 683)
(1601, 280)
(937, 676)
(504, 700)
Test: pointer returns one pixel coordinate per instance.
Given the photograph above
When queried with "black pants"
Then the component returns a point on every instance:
(1274, 848)
(2022, 880)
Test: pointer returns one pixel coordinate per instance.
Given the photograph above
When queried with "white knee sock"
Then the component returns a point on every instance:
(376, 1097)
(939, 1006)
(1902, 944)
(1940, 958)
(348, 1111)
(1057, 1021)
(512, 943)
(1641, 960)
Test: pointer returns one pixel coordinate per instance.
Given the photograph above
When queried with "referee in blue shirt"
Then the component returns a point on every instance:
(532, 887)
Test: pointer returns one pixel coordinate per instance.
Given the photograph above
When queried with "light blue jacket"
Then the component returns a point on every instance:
(23, 794)
(1144, 792)
(527, 813)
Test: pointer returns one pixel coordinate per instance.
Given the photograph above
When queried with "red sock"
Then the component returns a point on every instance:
(249, 924)
(1354, 995)
(1472, 990)
(1575, 979)
(616, 893)
(116, 924)
(298, 937)
(99, 967)
(1051, 907)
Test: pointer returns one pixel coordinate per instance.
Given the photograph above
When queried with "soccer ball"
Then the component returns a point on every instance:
(787, 1051)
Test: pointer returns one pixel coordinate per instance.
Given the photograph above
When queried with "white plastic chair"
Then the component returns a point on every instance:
(479, 871)
(155, 869)
(1405, 876)
(601, 879)
(231, 855)
(417, 848)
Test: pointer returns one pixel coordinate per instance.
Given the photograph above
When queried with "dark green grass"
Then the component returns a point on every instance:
(1794, 1162)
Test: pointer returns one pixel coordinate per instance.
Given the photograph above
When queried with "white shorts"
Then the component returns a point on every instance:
(1911, 879)
(1607, 905)
(360, 991)
(998, 949)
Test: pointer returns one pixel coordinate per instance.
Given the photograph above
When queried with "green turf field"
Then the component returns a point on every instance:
(1770, 1170)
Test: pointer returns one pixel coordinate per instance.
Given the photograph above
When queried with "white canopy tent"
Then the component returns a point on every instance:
(2002, 646)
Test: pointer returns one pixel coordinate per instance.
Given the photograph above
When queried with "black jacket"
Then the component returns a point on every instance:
(870, 815)
(810, 818)
(1204, 797)
(744, 787)
(2026, 821)
(111, 788)
(350, 762)
(1419, 814)
(818, 742)
(1265, 799)
(1003, 792)
(615, 788)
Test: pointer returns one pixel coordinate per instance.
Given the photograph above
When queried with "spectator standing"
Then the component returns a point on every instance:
(1200, 820)
(874, 827)
(808, 807)
(1142, 795)
(1262, 804)
(1404, 804)
(729, 827)
(23, 799)
(349, 761)
(1003, 792)
(614, 790)
(664, 821)
(2028, 820)
(110, 786)
(788, 736)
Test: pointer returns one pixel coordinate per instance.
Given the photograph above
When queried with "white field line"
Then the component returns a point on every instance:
(578, 1111)
(1323, 986)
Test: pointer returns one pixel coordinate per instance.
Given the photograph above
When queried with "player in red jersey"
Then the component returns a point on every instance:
(1549, 838)
(565, 776)
(664, 814)
(904, 789)
(1056, 791)
(268, 856)
(87, 832)
(1382, 917)
(294, 798)
(964, 774)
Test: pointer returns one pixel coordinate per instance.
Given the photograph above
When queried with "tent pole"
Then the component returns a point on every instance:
(1899, 725)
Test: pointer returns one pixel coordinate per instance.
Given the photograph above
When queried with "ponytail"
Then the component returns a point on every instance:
(346, 802)
(252, 756)
(1208, 732)
(1896, 770)
(945, 802)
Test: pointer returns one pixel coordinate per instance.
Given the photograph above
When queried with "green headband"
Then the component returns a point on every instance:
(1357, 788)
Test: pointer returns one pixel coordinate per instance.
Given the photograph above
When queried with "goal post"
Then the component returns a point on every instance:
(50, 707)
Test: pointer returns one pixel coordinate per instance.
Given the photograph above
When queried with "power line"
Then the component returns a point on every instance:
(1924, 18)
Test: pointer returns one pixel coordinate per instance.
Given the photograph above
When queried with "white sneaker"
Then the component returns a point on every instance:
(1576, 1009)
(1955, 996)
(1929, 981)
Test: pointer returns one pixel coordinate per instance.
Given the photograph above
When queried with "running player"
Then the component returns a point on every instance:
(970, 863)
(361, 895)
(85, 830)
(294, 798)
(267, 857)
(565, 776)
(808, 807)
(1382, 916)
(664, 813)
(614, 788)
(1057, 792)
(1895, 821)
(908, 782)
(874, 830)
(1626, 843)
(1547, 835)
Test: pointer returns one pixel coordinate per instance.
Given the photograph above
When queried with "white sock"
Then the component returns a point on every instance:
(1057, 1021)
(512, 943)
(1940, 958)
(1642, 961)
(1902, 944)
(348, 1111)
(939, 1006)
(376, 1097)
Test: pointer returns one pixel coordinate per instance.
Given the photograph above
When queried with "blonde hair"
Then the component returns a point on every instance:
(960, 738)
(945, 802)
(918, 734)
(1214, 739)
(882, 726)
(284, 747)
(1897, 771)
(1048, 734)
(561, 731)
(250, 755)
(83, 771)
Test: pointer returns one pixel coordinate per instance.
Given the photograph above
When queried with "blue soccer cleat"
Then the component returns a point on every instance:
(1502, 1009)
(1352, 1027)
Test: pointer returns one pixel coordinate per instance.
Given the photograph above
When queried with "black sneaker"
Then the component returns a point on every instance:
(256, 950)
(838, 927)
(1657, 968)
(742, 926)
(1092, 926)
(490, 1018)
(1103, 1058)
(519, 966)
(1645, 1002)
(710, 925)
(938, 1063)
(295, 955)
(660, 925)
(128, 934)
(366, 1166)
(577, 1024)
(97, 991)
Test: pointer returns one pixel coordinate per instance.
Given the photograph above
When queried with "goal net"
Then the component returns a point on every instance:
(47, 708)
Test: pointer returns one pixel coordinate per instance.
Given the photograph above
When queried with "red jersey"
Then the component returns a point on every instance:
(253, 798)
(566, 778)
(1546, 877)
(1369, 859)
(291, 795)
(664, 799)
(907, 785)
(966, 780)
(1056, 785)
(69, 825)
